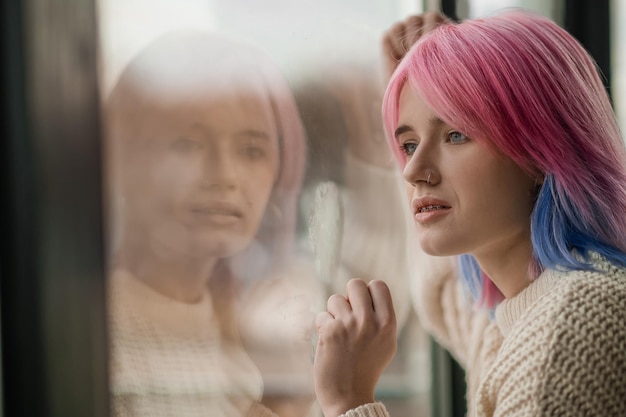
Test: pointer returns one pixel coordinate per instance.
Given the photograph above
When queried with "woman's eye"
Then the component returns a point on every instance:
(185, 144)
(457, 138)
(408, 148)
(253, 152)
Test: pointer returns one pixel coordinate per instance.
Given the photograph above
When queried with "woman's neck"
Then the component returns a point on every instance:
(176, 276)
(507, 264)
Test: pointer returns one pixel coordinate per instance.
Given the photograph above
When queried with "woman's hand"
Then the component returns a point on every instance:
(402, 35)
(357, 339)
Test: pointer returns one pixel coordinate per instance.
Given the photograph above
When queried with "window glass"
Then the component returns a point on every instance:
(248, 178)
(618, 60)
(474, 8)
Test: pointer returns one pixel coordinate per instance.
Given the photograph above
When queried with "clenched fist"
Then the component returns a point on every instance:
(356, 341)
(401, 36)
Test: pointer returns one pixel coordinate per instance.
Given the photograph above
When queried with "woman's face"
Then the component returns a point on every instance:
(202, 173)
(477, 202)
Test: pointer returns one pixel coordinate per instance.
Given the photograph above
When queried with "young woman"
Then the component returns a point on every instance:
(210, 312)
(515, 167)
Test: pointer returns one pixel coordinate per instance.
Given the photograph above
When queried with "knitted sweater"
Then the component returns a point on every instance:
(556, 349)
(169, 359)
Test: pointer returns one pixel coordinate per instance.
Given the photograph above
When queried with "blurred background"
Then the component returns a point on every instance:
(61, 61)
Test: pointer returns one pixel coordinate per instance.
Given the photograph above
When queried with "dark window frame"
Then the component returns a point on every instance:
(52, 256)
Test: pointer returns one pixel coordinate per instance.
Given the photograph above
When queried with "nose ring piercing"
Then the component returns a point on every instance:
(430, 173)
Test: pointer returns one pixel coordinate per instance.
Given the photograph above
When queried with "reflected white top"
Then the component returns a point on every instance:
(169, 358)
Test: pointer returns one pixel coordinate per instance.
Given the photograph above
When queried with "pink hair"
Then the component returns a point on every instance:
(528, 90)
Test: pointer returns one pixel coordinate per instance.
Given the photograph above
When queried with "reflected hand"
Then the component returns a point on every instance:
(357, 340)
(402, 35)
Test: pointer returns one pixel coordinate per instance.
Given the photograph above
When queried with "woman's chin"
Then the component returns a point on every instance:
(222, 249)
(434, 248)
(212, 248)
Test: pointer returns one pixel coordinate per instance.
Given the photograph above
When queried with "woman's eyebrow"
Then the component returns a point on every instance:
(250, 133)
(435, 122)
(402, 129)
(254, 134)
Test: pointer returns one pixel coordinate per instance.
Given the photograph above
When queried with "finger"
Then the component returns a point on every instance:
(414, 30)
(322, 319)
(359, 297)
(433, 16)
(395, 36)
(338, 306)
(433, 19)
(382, 301)
(392, 60)
(388, 48)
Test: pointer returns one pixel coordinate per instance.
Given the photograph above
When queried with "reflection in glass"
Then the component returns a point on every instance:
(206, 157)
(169, 113)
(340, 98)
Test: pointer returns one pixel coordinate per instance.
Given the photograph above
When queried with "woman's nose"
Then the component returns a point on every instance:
(218, 170)
(420, 168)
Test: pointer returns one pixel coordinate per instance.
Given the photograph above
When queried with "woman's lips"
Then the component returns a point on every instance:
(428, 209)
(211, 211)
(217, 213)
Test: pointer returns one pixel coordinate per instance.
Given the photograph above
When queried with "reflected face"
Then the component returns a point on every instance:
(201, 174)
(477, 202)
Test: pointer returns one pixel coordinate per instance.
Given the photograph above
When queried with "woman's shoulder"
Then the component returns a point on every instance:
(595, 292)
(603, 284)
(586, 355)
(569, 344)
(562, 300)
